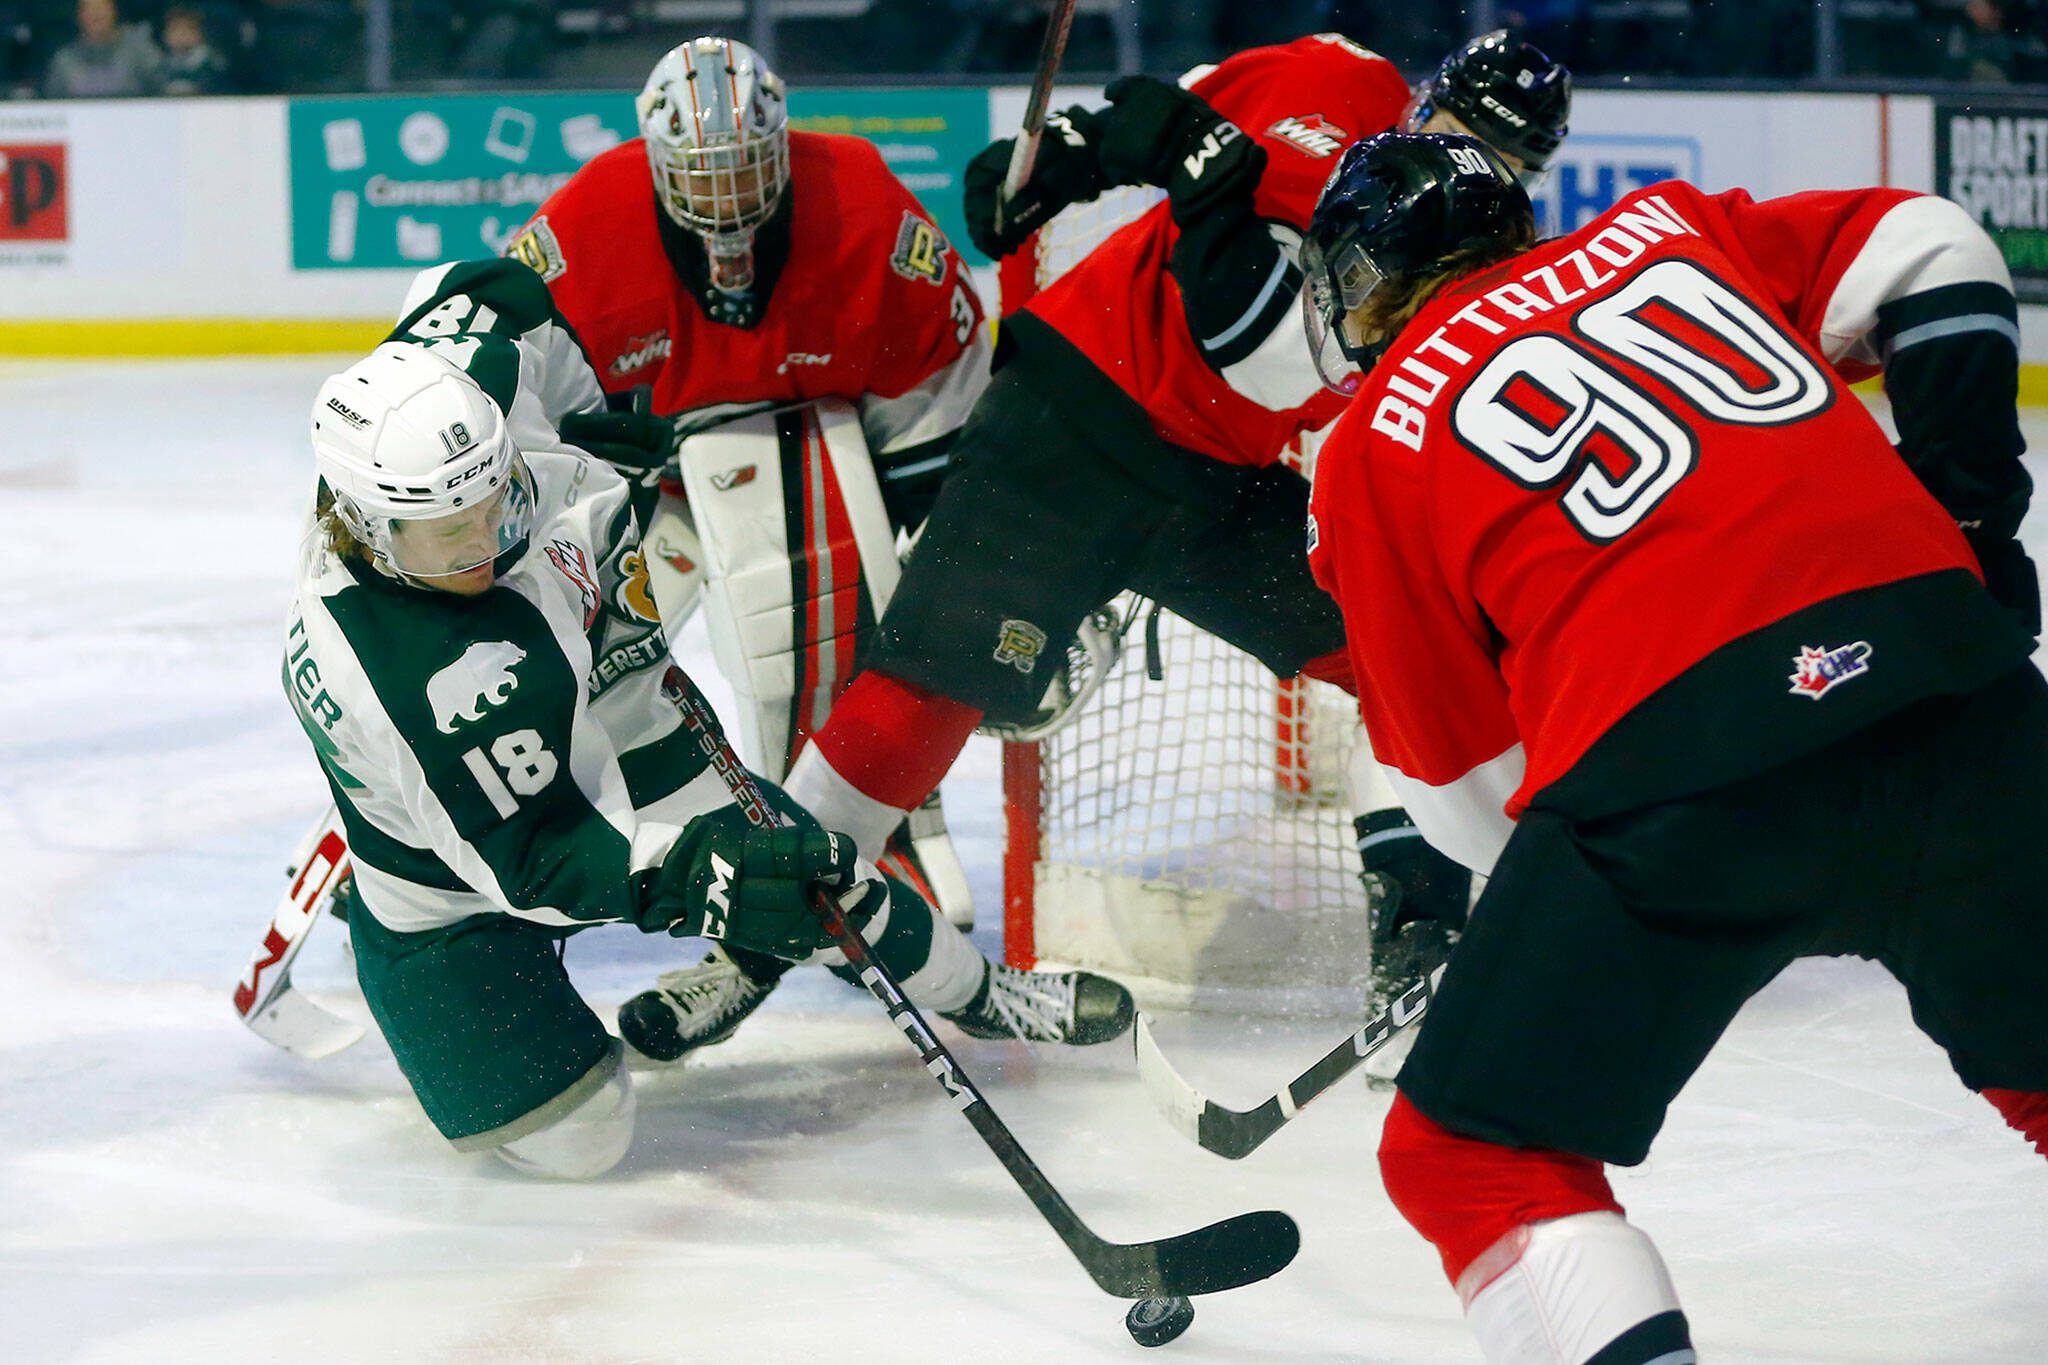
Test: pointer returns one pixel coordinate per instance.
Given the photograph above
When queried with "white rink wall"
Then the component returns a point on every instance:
(177, 216)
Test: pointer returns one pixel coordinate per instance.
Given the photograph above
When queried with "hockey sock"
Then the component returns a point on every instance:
(937, 967)
(1465, 1194)
(1333, 668)
(880, 753)
(1585, 1290)
(2025, 1110)
(1547, 1268)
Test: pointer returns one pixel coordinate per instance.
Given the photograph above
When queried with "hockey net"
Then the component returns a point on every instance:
(1188, 830)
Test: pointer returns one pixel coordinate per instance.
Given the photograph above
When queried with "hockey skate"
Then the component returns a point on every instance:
(690, 1009)
(1077, 1008)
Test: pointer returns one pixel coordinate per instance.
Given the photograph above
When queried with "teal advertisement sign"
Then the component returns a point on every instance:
(398, 182)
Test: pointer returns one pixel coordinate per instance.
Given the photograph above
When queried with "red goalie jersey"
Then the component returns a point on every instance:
(1122, 308)
(867, 298)
(1608, 527)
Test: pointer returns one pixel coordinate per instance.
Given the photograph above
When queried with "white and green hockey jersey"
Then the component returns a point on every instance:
(510, 752)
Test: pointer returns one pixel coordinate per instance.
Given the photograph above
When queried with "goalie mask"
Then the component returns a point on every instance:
(421, 467)
(1399, 206)
(1504, 91)
(716, 124)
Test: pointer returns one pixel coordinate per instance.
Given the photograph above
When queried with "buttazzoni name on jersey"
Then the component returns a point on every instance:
(1415, 384)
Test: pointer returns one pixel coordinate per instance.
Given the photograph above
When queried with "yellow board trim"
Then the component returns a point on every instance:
(66, 337)
(60, 338)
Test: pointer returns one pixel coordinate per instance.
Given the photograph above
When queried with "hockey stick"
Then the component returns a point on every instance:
(1024, 152)
(271, 1007)
(1236, 1133)
(1237, 1251)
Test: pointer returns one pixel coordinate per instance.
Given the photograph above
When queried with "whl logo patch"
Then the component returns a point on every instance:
(575, 566)
(1312, 133)
(1817, 672)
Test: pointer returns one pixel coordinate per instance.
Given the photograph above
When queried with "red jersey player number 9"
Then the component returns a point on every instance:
(1537, 404)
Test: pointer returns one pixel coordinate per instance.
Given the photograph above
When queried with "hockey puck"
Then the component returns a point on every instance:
(1154, 1322)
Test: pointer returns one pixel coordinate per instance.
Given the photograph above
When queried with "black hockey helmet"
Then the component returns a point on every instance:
(1508, 92)
(1399, 206)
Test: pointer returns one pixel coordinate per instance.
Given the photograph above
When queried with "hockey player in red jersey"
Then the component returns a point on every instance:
(1131, 435)
(1658, 629)
(768, 267)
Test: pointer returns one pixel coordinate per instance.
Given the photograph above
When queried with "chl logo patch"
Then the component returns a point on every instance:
(921, 251)
(482, 678)
(1817, 672)
(575, 567)
(1312, 133)
(537, 249)
(1019, 644)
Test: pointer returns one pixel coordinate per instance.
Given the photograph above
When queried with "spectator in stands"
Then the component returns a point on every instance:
(191, 66)
(108, 58)
(1994, 41)
(305, 45)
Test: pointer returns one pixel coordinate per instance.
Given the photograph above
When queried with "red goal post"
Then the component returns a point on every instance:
(1189, 833)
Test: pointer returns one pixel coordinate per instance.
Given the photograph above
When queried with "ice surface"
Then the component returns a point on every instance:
(172, 1188)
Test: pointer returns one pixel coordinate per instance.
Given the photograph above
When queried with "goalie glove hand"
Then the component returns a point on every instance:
(725, 879)
(1064, 172)
(1156, 133)
(630, 440)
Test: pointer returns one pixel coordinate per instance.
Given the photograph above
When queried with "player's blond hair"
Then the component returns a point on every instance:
(1390, 307)
(340, 539)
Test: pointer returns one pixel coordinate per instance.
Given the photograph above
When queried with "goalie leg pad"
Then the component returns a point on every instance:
(799, 561)
(675, 560)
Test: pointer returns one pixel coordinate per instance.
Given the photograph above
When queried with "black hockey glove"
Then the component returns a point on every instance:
(725, 879)
(1065, 172)
(631, 440)
(1156, 133)
(1407, 880)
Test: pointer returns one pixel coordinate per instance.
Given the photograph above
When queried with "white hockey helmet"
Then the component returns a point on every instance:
(716, 123)
(420, 464)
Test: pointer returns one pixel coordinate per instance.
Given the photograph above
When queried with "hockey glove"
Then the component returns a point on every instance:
(1065, 172)
(1156, 133)
(630, 440)
(725, 879)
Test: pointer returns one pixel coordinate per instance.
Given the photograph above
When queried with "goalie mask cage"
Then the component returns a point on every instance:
(1190, 833)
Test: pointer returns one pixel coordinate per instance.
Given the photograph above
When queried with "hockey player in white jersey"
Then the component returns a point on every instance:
(478, 661)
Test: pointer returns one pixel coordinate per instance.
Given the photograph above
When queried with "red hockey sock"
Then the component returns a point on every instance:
(1333, 668)
(893, 740)
(2026, 1110)
(1464, 1194)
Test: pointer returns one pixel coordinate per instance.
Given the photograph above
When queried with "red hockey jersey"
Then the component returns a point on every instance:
(1607, 525)
(1121, 307)
(872, 300)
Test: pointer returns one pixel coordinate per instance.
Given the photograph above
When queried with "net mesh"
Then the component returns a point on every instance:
(1193, 833)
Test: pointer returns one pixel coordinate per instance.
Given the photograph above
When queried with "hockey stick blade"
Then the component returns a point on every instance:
(1235, 1252)
(1237, 1133)
(265, 998)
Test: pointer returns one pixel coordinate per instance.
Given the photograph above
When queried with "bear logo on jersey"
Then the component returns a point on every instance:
(1817, 672)
(1018, 644)
(480, 679)
(921, 251)
(537, 250)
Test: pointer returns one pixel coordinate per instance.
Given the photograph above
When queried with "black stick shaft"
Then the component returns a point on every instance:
(1236, 1251)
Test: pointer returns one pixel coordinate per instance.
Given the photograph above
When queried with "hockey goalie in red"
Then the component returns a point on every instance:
(1656, 627)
